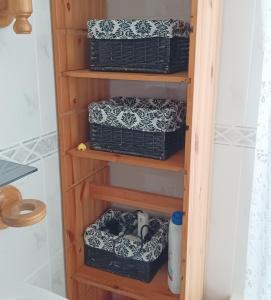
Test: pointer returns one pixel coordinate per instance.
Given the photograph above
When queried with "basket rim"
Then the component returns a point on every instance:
(137, 28)
(145, 116)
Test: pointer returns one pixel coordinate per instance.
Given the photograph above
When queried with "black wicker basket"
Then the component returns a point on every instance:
(162, 49)
(157, 145)
(99, 249)
(153, 128)
(140, 270)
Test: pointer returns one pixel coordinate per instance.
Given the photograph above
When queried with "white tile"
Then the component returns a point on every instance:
(53, 199)
(244, 196)
(237, 296)
(235, 61)
(18, 85)
(222, 221)
(28, 99)
(58, 274)
(22, 251)
(41, 277)
(255, 78)
(45, 67)
(31, 150)
(238, 136)
(229, 213)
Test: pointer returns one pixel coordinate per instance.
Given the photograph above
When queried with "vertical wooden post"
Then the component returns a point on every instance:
(69, 18)
(203, 69)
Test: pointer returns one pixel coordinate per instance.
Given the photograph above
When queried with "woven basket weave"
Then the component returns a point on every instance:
(157, 145)
(154, 52)
(155, 55)
(147, 127)
(140, 270)
(116, 253)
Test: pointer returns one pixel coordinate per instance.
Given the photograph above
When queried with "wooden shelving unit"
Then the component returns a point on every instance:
(176, 77)
(137, 199)
(86, 192)
(174, 163)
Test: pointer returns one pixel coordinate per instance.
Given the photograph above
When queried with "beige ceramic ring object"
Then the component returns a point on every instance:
(16, 212)
(24, 213)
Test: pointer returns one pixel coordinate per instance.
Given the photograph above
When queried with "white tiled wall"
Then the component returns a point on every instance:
(28, 135)
(236, 118)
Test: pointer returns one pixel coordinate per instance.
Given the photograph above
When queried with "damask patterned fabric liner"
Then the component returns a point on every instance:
(258, 275)
(137, 29)
(151, 250)
(144, 114)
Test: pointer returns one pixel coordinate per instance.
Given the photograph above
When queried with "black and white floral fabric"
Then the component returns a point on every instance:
(120, 245)
(137, 29)
(144, 114)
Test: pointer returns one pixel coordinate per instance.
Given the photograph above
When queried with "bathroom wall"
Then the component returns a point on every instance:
(236, 122)
(28, 135)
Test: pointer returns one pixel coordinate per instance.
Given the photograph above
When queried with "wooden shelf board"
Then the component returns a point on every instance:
(157, 289)
(173, 163)
(136, 199)
(85, 73)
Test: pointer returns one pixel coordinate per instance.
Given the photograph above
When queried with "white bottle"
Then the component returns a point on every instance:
(143, 220)
(174, 252)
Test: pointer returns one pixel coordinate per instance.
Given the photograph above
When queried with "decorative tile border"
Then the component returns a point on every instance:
(32, 150)
(238, 136)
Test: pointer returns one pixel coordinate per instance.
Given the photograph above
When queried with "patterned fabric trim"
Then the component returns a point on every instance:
(144, 114)
(96, 237)
(32, 150)
(137, 29)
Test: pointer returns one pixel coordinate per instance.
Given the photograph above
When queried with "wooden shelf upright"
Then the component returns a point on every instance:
(86, 192)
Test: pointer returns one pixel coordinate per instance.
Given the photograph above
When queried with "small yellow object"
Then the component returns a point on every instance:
(82, 147)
